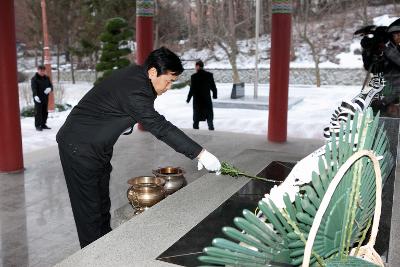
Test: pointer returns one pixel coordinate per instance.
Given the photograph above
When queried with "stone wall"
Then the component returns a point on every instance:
(297, 76)
(80, 75)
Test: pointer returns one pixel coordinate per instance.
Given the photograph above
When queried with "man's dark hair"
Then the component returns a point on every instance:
(164, 60)
(200, 64)
(41, 67)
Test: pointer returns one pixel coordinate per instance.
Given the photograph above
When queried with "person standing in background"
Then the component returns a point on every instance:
(201, 83)
(41, 87)
(392, 71)
(381, 54)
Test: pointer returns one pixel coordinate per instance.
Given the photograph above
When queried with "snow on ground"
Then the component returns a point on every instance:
(33, 140)
(305, 120)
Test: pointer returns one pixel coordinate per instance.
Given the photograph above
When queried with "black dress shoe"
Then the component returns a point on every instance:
(39, 129)
(46, 127)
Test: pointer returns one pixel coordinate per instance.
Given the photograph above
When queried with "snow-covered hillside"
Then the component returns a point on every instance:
(341, 49)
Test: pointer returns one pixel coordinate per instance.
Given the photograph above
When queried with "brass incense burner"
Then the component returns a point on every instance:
(145, 191)
(173, 177)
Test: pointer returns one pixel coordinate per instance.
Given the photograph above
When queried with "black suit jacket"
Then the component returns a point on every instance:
(117, 103)
(39, 84)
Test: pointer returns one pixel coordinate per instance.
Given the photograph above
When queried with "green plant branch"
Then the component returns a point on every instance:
(228, 169)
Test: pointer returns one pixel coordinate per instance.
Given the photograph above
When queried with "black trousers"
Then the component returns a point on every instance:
(87, 171)
(209, 122)
(41, 112)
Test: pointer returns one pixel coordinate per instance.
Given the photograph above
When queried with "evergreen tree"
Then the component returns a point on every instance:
(114, 46)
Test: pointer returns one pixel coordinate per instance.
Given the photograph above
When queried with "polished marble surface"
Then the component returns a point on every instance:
(186, 250)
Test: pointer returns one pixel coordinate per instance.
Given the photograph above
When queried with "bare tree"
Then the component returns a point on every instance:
(57, 29)
(201, 11)
(309, 27)
(33, 29)
(170, 28)
(362, 11)
(303, 26)
(226, 33)
(265, 15)
(189, 21)
(156, 23)
(212, 8)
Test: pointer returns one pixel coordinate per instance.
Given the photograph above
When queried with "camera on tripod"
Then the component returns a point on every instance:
(374, 38)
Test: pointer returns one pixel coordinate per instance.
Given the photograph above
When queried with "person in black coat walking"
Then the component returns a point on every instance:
(200, 85)
(88, 135)
(41, 87)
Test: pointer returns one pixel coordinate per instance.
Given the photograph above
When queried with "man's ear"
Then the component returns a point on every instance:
(152, 72)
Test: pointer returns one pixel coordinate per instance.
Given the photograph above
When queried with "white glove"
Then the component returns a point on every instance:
(209, 161)
(37, 99)
(47, 90)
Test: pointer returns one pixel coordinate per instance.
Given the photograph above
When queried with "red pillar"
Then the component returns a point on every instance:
(144, 32)
(47, 55)
(279, 70)
(10, 134)
(144, 29)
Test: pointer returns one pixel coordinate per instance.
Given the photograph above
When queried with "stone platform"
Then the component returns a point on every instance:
(140, 240)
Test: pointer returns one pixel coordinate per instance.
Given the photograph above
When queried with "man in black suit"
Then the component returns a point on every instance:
(202, 82)
(86, 139)
(41, 87)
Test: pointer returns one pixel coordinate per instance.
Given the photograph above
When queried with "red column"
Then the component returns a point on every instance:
(279, 70)
(144, 38)
(47, 55)
(10, 134)
(144, 32)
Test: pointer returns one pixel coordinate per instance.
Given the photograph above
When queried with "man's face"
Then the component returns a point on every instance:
(163, 82)
(41, 72)
(396, 38)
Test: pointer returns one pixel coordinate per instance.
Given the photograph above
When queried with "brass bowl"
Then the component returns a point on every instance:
(146, 180)
(145, 191)
(173, 176)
